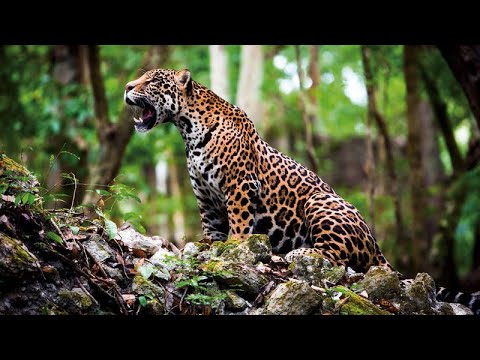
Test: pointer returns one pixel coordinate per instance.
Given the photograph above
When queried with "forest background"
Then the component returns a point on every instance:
(393, 129)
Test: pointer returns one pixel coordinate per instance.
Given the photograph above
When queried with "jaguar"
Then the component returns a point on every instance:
(244, 186)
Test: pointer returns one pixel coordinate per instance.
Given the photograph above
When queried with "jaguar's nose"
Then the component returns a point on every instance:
(129, 87)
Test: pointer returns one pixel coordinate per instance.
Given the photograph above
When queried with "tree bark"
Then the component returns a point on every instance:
(219, 71)
(113, 137)
(464, 61)
(414, 154)
(250, 82)
(400, 236)
(307, 119)
(440, 109)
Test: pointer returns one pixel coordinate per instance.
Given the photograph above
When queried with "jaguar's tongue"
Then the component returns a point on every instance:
(147, 113)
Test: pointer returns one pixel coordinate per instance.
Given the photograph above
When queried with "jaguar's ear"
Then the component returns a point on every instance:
(183, 78)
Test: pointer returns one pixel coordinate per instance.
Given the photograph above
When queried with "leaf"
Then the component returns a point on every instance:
(52, 159)
(3, 188)
(102, 192)
(55, 237)
(111, 228)
(18, 198)
(75, 230)
(99, 213)
(31, 199)
(142, 300)
(146, 270)
(25, 197)
(183, 283)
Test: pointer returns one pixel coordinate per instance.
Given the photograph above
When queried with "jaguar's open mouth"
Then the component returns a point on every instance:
(147, 119)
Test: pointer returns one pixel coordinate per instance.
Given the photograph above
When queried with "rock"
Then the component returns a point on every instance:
(292, 298)
(420, 296)
(98, 249)
(254, 249)
(459, 309)
(316, 270)
(75, 297)
(191, 249)
(164, 259)
(143, 286)
(15, 260)
(132, 239)
(154, 307)
(381, 283)
(18, 177)
(234, 302)
(346, 302)
(235, 274)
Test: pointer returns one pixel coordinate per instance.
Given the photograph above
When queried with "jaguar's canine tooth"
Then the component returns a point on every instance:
(138, 121)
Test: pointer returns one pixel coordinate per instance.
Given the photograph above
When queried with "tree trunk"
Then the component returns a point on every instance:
(414, 155)
(440, 109)
(464, 61)
(433, 172)
(152, 223)
(176, 222)
(66, 70)
(250, 81)
(400, 236)
(307, 119)
(219, 71)
(113, 137)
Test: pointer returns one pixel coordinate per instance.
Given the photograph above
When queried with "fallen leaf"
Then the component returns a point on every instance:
(8, 198)
(49, 269)
(139, 253)
(119, 258)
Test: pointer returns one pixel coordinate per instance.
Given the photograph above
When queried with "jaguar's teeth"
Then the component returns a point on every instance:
(138, 121)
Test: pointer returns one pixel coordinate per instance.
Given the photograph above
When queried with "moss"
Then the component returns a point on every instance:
(76, 297)
(15, 259)
(353, 304)
(154, 307)
(7, 164)
(254, 249)
(143, 286)
(335, 274)
(237, 275)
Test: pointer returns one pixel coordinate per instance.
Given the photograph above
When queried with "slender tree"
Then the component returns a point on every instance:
(418, 201)
(219, 71)
(113, 137)
(250, 81)
(307, 119)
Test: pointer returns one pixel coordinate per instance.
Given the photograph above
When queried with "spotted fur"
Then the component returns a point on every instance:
(243, 185)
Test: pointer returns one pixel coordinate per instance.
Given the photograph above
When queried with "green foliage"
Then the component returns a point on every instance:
(198, 282)
(55, 237)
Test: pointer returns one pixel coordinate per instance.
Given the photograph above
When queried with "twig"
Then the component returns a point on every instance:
(87, 292)
(74, 192)
(58, 229)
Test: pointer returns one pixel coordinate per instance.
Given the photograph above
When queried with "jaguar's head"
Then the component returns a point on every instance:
(160, 94)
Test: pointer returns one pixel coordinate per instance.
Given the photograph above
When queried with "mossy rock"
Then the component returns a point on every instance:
(316, 270)
(236, 275)
(257, 248)
(292, 298)
(16, 176)
(142, 286)
(381, 283)
(420, 296)
(352, 304)
(234, 302)
(76, 298)
(15, 260)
